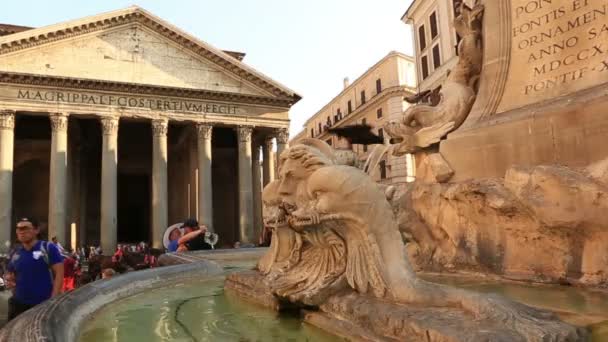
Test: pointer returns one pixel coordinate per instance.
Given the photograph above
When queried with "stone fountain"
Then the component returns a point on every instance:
(337, 252)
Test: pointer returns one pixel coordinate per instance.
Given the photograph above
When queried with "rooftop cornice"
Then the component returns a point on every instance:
(134, 14)
(67, 83)
(356, 114)
(359, 79)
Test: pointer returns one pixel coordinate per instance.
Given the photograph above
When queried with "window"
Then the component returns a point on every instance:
(379, 113)
(378, 86)
(328, 122)
(382, 166)
(381, 133)
(320, 128)
(436, 57)
(362, 97)
(421, 38)
(425, 67)
(312, 132)
(433, 21)
(328, 141)
(350, 107)
(339, 114)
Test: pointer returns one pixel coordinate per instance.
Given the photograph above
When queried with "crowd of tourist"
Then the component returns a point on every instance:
(36, 270)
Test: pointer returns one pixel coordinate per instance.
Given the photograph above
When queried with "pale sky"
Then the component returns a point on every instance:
(307, 45)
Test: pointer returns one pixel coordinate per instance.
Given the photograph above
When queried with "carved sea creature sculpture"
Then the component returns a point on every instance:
(340, 234)
(422, 124)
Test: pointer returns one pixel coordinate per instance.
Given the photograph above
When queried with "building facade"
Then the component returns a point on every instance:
(117, 125)
(435, 39)
(375, 98)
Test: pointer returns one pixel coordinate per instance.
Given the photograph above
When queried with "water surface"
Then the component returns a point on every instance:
(199, 311)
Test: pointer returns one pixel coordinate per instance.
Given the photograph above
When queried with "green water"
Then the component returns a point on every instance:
(199, 311)
(195, 312)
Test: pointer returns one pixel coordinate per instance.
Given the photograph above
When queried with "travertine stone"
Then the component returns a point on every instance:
(109, 184)
(205, 184)
(540, 224)
(245, 185)
(269, 163)
(58, 177)
(7, 141)
(159, 181)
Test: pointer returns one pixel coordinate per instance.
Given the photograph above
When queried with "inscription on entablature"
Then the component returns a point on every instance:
(126, 101)
(557, 47)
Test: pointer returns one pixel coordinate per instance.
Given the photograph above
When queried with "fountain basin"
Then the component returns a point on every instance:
(60, 319)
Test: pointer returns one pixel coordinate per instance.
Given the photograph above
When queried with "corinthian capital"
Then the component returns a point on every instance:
(7, 119)
(244, 133)
(59, 122)
(204, 130)
(282, 136)
(109, 125)
(160, 127)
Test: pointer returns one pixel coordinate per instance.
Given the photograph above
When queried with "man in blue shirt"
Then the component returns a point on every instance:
(35, 269)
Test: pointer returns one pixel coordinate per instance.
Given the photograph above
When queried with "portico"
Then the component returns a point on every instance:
(122, 139)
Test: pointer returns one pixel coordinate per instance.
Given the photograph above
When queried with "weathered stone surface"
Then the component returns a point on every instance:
(250, 286)
(431, 167)
(378, 320)
(545, 223)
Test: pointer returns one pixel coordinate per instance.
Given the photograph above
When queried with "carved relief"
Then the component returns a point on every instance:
(423, 125)
(7, 119)
(244, 133)
(160, 127)
(282, 136)
(109, 126)
(204, 131)
(59, 122)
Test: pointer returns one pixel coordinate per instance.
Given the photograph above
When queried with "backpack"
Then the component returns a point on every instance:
(43, 249)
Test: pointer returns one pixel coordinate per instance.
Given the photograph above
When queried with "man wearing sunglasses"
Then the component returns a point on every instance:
(35, 269)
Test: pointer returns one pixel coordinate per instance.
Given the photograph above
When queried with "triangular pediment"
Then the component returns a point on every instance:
(132, 46)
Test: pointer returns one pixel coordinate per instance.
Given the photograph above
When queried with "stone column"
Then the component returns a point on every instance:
(256, 177)
(268, 160)
(109, 185)
(7, 142)
(282, 140)
(159, 181)
(205, 185)
(58, 177)
(245, 186)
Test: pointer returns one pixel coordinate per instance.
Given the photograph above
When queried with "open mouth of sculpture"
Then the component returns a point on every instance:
(311, 219)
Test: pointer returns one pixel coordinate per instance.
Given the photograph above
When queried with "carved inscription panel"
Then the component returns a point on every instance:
(557, 47)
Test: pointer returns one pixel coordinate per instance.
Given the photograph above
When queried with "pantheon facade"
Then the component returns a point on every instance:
(115, 126)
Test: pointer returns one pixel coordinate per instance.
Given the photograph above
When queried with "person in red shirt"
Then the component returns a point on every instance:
(69, 273)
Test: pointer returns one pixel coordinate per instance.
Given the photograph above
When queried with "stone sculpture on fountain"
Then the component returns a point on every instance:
(336, 246)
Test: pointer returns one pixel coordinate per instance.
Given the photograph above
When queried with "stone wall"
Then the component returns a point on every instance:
(543, 223)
